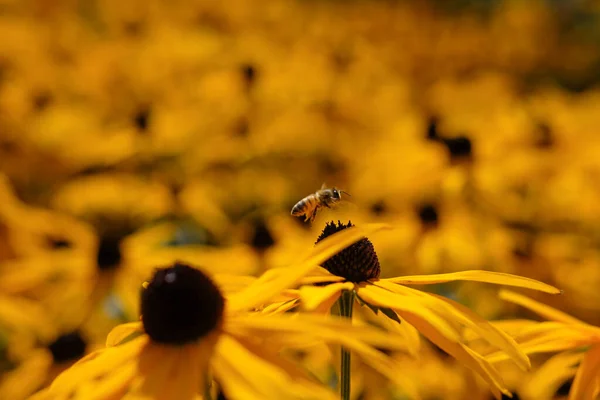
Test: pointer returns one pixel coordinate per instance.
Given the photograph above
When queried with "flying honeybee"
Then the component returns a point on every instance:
(325, 197)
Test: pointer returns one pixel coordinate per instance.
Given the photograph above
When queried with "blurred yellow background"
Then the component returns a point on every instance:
(133, 133)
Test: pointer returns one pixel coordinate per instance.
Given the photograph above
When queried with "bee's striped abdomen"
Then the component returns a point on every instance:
(305, 206)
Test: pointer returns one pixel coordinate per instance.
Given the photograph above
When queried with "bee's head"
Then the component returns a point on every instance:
(336, 194)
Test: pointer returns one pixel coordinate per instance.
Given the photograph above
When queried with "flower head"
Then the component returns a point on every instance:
(403, 309)
(192, 331)
(356, 263)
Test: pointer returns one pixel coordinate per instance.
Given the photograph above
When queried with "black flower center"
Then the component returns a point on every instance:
(109, 251)
(459, 147)
(432, 132)
(41, 100)
(58, 242)
(68, 347)
(249, 74)
(544, 138)
(262, 238)
(356, 263)
(180, 305)
(428, 215)
(379, 208)
(141, 119)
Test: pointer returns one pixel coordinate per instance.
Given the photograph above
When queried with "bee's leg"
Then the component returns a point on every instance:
(314, 215)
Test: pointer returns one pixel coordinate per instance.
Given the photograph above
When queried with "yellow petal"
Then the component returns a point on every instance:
(586, 378)
(453, 311)
(25, 314)
(326, 306)
(489, 332)
(321, 275)
(260, 292)
(280, 307)
(539, 308)
(46, 395)
(186, 379)
(313, 296)
(121, 332)
(310, 280)
(497, 278)
(110, 386)
(549, 329)
(514, 327)
(461, 353)
(155, 363)
(410, 336)
(381, 363)
(28, 377)
(327, 328)
(406, 305)
(244, 374)
(229, 283)
(104, 362)
(549, 337)
(547, 379)
(267, 354)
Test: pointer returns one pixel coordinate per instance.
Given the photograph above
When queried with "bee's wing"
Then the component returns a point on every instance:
(323, 186)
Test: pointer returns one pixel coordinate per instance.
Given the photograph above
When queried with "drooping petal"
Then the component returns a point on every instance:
(313, 296)
(586, 379)
(244, 374)
(542, 310)
(123, 331)
(549, 337)
(489, 332)
(546, 380)
(512, 327)
(103, 362)
(410, 336)
(453, 311)
(260, 291)
(498, 278)
(317, 326)
(406, 305)
(462, 353)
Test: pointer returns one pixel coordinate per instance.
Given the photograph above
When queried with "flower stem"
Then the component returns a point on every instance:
(207, 391)
(345, 304)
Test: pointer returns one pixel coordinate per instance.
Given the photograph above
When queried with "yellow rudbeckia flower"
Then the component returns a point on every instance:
(356, 270)
(576, 342)
(190, 333)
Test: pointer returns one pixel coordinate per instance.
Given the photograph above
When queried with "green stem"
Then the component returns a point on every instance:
(207, 391)
(345, 304)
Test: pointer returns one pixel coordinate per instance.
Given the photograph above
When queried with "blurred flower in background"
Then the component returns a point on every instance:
(136, 134)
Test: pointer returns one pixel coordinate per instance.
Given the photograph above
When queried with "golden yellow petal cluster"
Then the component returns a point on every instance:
(448, 150)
